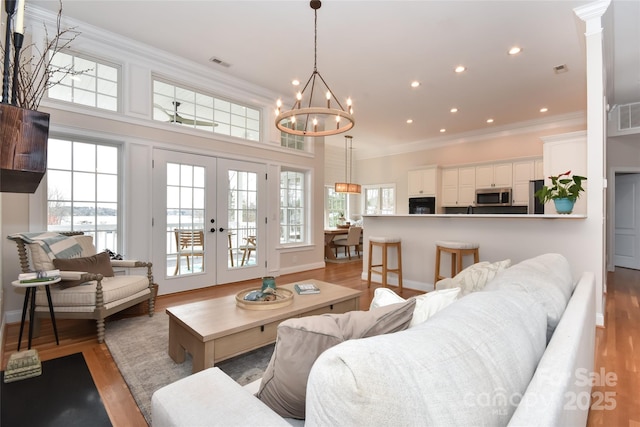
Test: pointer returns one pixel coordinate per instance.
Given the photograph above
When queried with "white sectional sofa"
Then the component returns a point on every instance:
(511, 354)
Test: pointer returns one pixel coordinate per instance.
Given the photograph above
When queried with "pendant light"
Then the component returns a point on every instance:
(347, 186)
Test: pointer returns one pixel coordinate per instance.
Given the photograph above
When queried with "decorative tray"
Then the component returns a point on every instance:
(284, 297)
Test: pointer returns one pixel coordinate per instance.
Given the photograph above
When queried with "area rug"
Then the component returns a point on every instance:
(139, 346)
(342, 258)
(64, 395)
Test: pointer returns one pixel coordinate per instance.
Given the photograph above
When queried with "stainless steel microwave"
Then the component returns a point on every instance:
(493, 197)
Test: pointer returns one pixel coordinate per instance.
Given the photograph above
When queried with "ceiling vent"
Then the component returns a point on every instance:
(219, 61)
(629, 116)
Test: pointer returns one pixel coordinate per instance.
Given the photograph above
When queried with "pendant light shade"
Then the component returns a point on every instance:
(347, 186)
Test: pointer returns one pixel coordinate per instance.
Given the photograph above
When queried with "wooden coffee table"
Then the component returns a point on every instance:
(217, 329)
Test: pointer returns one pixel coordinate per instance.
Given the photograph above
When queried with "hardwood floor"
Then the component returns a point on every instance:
(616, 403)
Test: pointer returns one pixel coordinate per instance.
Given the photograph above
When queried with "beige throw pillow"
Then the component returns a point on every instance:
(301, 340)
(426, 305)
(475, 277)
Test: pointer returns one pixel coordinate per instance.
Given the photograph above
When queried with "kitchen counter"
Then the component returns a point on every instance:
(500, 236)
(501, 216)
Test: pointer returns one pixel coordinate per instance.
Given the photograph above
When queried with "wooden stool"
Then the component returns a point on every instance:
(385, 243)
(457, 251)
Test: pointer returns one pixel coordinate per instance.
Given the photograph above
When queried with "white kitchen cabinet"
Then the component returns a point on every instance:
(523, 172)
(494, 175)
(458, 186)
(423, 182)
(450, 187)
(538, 169)
(466, 186)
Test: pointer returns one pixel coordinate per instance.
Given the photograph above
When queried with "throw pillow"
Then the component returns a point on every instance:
(97, 264)
(426, 305)
(474, 277)
(301, 340)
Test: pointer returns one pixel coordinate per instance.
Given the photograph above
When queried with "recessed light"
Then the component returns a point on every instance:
(454, 110)
(443, 130)
(295, 82)
(489, 120)
(415, 83)
(544, 109)
(409, 121)
(460, 68)
(515, 50)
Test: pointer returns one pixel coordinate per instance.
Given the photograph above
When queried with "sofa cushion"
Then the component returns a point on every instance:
(547, 278)
(97, 264)
(426, 305)
(301, 340)
(41, 261)
(114, 289)
(473, 278)
(468, 365)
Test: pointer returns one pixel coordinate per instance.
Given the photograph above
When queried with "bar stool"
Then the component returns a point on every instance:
(457, 251)
(385, 243)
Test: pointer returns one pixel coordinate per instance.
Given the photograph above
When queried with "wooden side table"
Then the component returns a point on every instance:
(31, 292)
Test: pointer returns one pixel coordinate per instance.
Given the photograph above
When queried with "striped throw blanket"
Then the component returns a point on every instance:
(56, 245)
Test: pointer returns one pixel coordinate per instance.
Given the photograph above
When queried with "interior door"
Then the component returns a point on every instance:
(627, 221)
(241, 213)
(184, 223)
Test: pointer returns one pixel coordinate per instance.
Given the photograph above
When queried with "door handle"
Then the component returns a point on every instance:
(221, 229)
(213, 230)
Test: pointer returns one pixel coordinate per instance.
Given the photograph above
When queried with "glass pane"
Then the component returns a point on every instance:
(107, 159)
(185, 219)
(59, 154)
(84, 186)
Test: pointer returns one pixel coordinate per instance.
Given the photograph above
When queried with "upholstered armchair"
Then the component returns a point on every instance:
(82, 294)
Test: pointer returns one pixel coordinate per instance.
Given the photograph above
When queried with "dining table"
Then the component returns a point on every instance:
(329, 235)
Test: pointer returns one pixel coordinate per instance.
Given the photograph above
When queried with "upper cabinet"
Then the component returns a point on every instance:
(494, 175)
(423, 182)
(458, 186)
(523, 172)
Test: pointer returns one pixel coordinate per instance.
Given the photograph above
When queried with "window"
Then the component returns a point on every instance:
(293, 212)
(335, 207)
(186, 107)
(82, 190)
(83, 81)
(295, 142)
(379, 199)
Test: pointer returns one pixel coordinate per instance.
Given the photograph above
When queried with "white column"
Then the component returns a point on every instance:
(591, 14)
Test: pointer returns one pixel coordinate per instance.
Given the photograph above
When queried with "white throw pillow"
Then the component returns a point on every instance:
(426, 305)
(475, 277)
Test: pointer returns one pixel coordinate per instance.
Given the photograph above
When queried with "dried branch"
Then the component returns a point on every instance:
(36, 72)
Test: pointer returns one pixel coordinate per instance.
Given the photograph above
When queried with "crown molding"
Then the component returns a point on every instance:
(513, 129)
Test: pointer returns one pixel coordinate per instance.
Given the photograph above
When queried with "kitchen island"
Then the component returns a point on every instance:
(516, 237)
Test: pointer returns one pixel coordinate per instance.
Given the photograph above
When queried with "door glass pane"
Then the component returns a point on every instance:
(242, 215)
(185, 219)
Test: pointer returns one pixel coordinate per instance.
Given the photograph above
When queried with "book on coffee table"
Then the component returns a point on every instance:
(306, 288)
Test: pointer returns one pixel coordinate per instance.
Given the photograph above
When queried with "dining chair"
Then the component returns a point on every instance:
(190, 243)
(353, 239)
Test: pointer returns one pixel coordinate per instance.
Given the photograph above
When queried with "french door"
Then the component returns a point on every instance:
(206, 227)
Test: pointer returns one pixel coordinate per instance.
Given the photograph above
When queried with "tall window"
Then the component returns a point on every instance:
(293, 211)
(335, 207)
(379, 199)
(82, 190)
(186, 107)
(84, 81)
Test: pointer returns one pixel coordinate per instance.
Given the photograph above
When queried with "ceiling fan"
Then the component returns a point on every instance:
(175, 117)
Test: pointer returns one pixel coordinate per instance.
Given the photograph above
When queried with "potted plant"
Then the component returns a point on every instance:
(565, 189)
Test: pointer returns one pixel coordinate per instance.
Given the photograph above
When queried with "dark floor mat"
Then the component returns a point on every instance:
(63, 396)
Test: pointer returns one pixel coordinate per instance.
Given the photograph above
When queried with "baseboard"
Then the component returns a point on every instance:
(300, 268)
(406, 284)
(12, 316)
